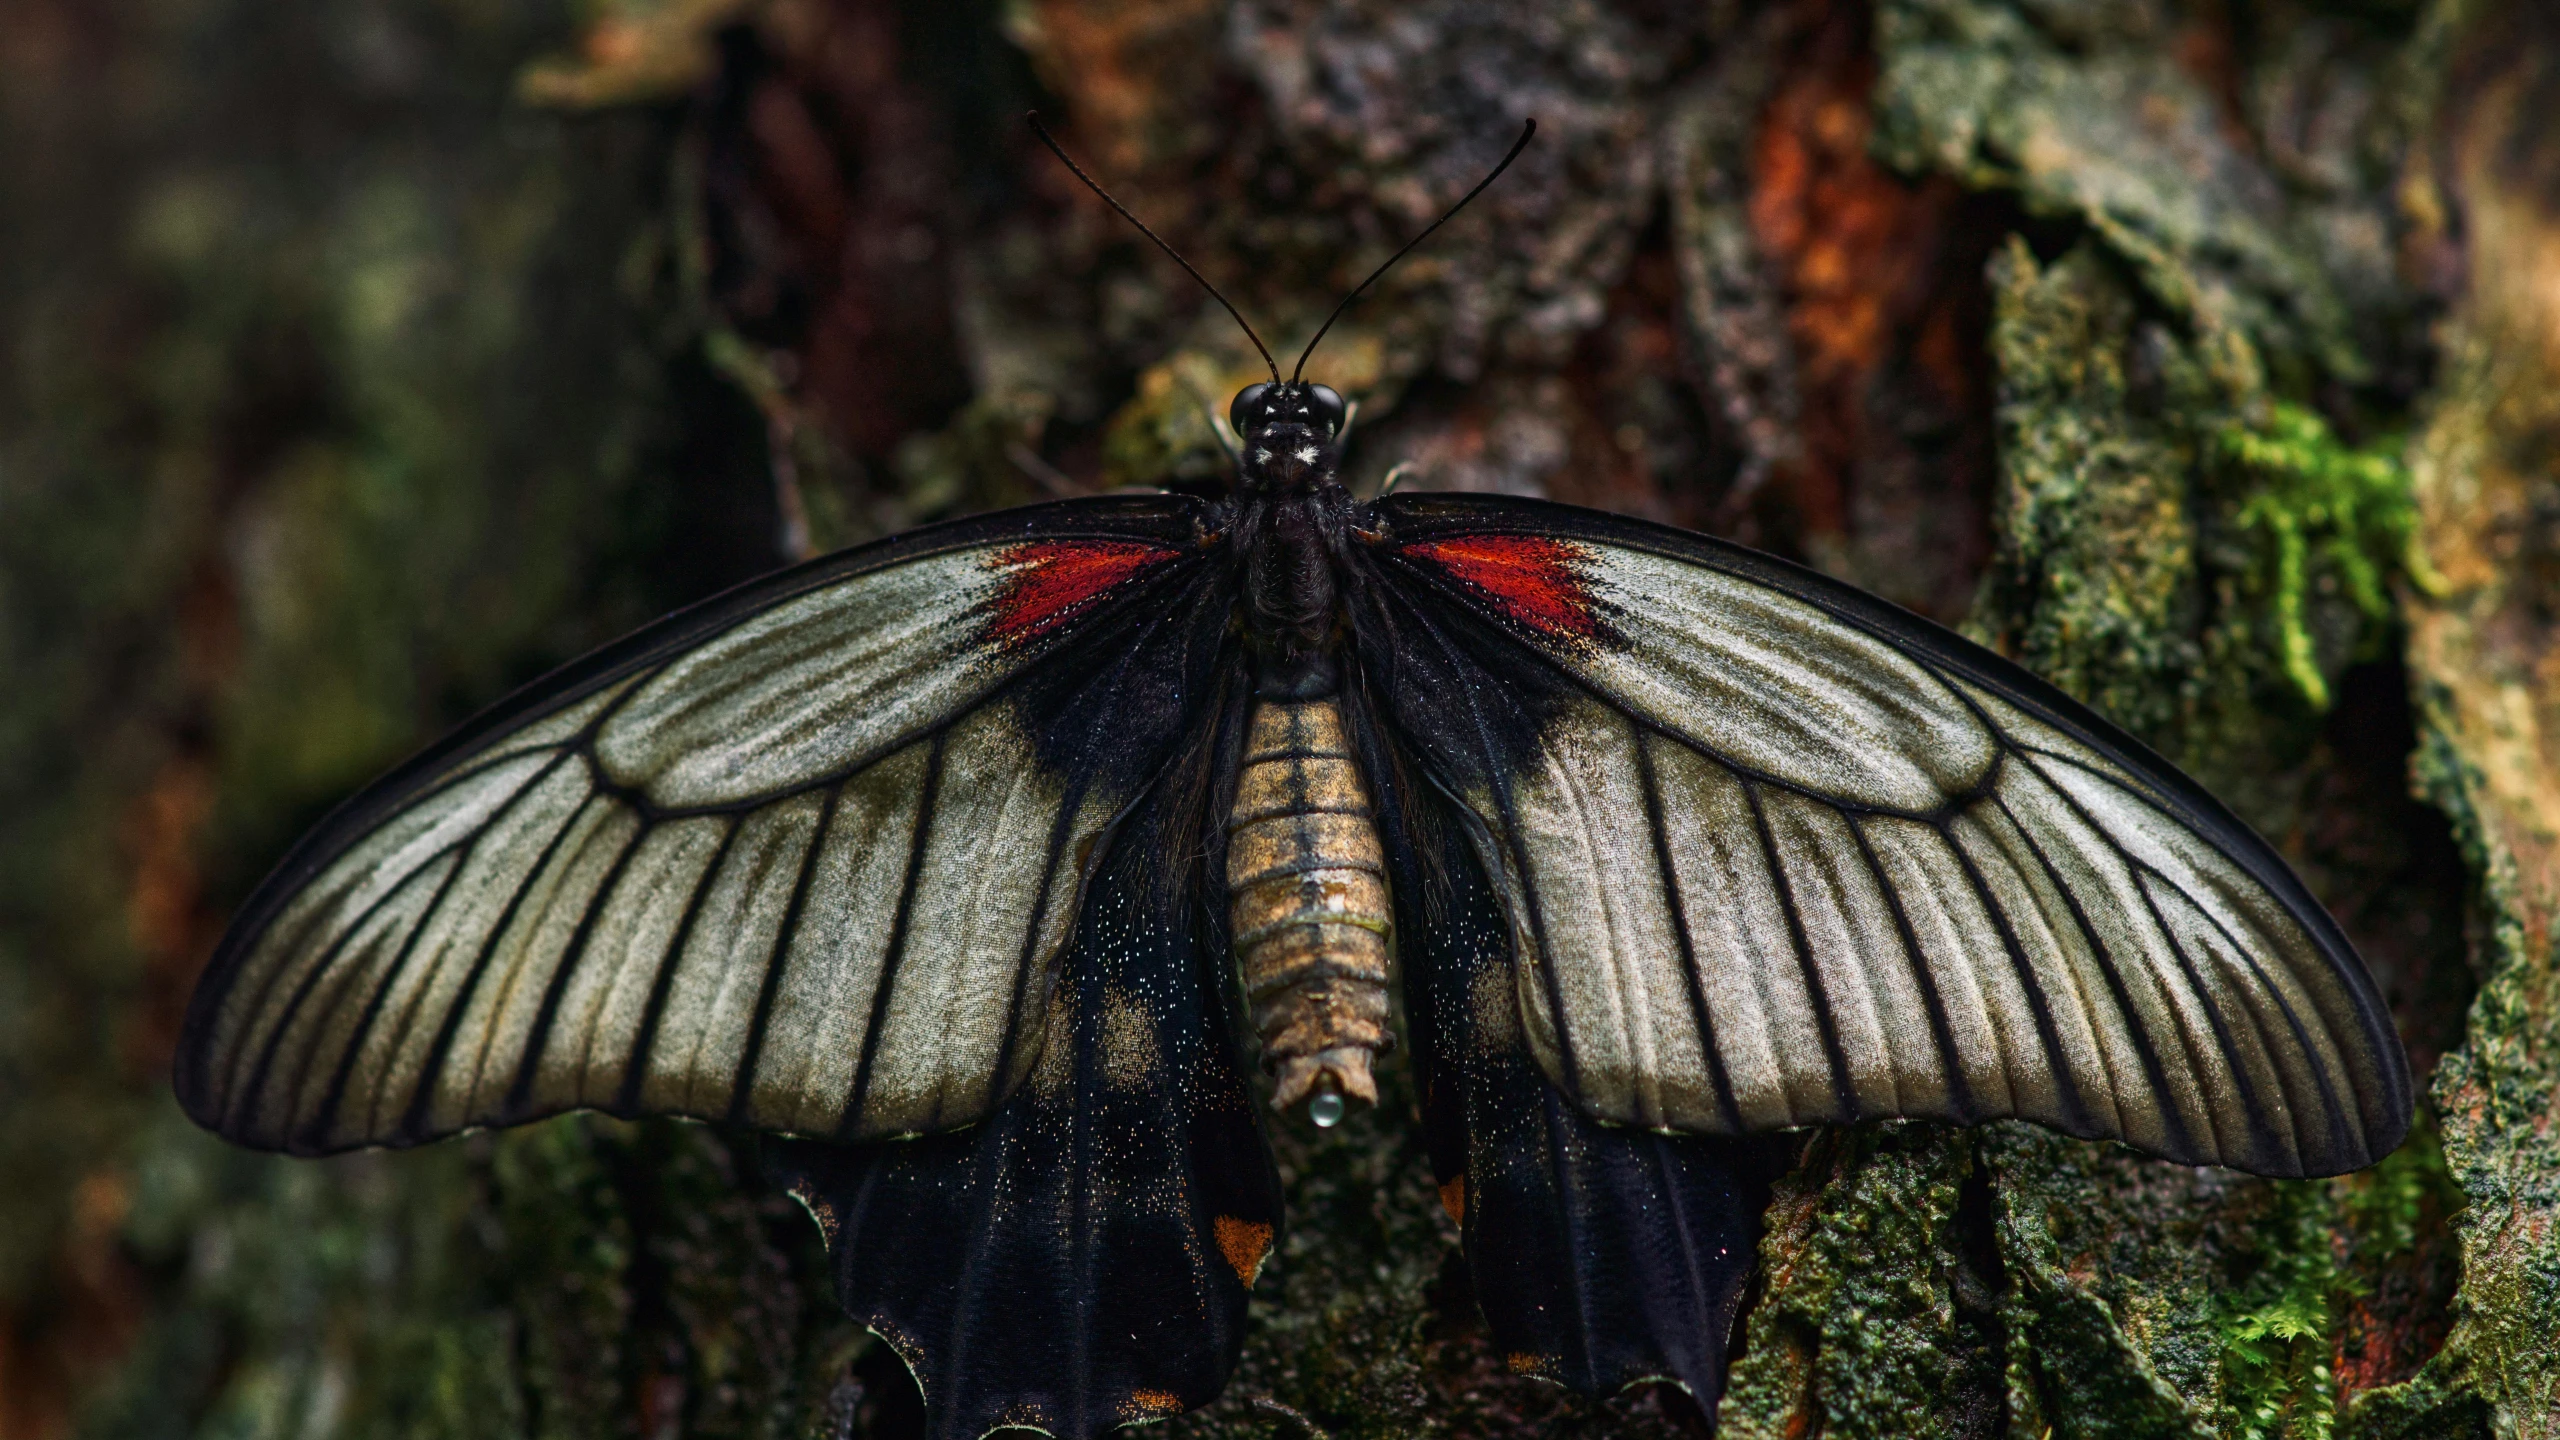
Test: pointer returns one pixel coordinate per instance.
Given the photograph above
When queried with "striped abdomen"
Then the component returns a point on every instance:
(1307, 901)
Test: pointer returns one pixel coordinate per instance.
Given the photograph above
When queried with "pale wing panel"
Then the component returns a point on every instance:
(1778, 853)
(801, 859)
(820, 685)
(367, 993)
(1726, 663)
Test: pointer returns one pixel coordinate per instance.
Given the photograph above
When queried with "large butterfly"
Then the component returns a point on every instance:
(973, 862)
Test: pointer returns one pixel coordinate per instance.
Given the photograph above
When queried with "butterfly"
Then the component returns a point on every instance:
(983, 866)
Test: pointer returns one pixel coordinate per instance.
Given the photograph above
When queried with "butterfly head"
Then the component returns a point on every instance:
(1289, 432)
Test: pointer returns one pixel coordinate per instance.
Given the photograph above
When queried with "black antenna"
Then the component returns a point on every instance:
(1517, 146)
(1055, 149)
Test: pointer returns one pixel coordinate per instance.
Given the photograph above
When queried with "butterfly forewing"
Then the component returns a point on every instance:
(1778, 853)
(801, 858)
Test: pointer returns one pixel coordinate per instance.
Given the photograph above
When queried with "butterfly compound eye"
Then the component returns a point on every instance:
(1247, 407)
(1328, 407)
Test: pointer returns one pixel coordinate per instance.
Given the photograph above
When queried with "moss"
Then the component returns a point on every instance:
(2107, 1263)
(1875, 1312)
(2387, 1209)
(2094, 585)
(2276, 1326)
(2177, 550)
(2325, 518)
(2429, 1407)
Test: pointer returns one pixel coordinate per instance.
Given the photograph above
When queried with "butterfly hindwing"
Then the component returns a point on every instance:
(799, 858)
(1601, 1255)
(1779, 853)
(1081, 1260)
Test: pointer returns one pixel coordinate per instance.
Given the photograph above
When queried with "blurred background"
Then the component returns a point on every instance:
(362, 359)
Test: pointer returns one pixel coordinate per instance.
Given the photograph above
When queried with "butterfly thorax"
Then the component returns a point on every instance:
(1307, 900)
(1291, 600)
(1291, 514)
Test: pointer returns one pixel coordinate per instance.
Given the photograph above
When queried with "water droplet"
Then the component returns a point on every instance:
(1326, 1110)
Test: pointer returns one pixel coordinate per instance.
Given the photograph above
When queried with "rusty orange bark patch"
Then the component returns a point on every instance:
(1879, 279)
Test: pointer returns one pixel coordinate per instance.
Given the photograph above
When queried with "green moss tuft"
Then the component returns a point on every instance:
(2277, 1381)
(1880, 1314)
(2323, 517)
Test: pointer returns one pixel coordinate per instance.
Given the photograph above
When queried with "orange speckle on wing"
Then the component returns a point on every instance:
(1524, 1363)
(1534, 580)
(1244, 1243)
(1154, 1404)
(1049, 582)
(1453, 1198)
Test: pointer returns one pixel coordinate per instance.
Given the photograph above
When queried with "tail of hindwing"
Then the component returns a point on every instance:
(1081, 1260)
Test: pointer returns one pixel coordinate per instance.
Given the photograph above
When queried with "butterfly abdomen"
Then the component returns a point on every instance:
(1307, 901)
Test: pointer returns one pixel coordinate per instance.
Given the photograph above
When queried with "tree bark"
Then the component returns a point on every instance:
(364, 361)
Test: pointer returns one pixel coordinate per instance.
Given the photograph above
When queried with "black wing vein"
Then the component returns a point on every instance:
(1950, 1060)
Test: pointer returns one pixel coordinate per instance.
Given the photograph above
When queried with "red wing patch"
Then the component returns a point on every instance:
(1050, 582)
(1539, 584)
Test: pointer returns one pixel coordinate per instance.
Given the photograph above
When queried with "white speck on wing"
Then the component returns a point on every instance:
(1307, 456)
